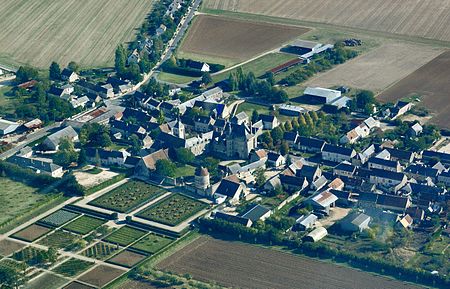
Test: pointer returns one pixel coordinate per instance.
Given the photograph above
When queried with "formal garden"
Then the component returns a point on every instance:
(84, 225)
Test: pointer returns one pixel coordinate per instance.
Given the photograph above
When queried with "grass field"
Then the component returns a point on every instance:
(152, 243)
(125, 236)
(414, 18)
(259, 66)
(239, 265)
(17, 199)
(127, 197)
(174, 78)
(72, 267)
(227, 41)
(248, 108)
(37, 32)
(172, 210)
(84, 225)
(431, 83)
(184, 171)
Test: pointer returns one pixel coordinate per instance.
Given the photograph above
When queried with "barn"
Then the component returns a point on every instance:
(321, 95)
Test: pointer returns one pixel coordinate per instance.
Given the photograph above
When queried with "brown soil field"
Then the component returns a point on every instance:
(132, 284)
(31, 233)
(379, 68)
(237, 40)
(101, 275)
(127, 259)
(37, 32)
(7, 247)
(432, 83)
(428, 19)
(245, 266)
(76, 285)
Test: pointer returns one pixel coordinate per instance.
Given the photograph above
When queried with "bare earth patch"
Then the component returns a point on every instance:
(101, 275)
(432, 83)
(40, 31)
(88, 180)
(233, 39)
(419, 18)
(379, 68)
(239, 265)
(31, 233)
(7, 247)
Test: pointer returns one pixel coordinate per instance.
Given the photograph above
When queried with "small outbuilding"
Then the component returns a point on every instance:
(355, 223)
(316, 235)
(305, 222)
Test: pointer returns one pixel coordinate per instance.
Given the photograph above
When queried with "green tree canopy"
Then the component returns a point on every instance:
(54, 71)
(165, 168)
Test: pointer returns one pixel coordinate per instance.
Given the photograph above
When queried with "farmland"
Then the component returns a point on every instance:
(172, 210)
(127, 197)
(31, 233)
(37, 32)
(127, 258)
(125, 236)
(152, 243)
(7, 247)
(72, 267)
(100, 251)
(239, 40)
(431, 83)
(245, 266)
(47, 281)
(59, 239)
(84, 225)
(101, 275)
(427, 19)
(379, 68)
(59, 218)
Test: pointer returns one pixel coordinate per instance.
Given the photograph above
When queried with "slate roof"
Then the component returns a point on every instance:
(67, 132)
(346, 167)
(231, 218)
(443, 157)
(255, 213)
(311, 142)
(34, 164)
(422, 170)
(267, 117)
(338, 150)
(228, 187)
(400, 154)
(387, 174)
(392, 201)
(383, 162)
(290, 136)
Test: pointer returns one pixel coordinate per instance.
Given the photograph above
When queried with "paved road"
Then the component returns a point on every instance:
(29, 139)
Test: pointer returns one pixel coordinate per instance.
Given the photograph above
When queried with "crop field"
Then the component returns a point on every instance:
(17, 199)
(227, 41)
(77, 285)
(127, 258)
(152, 243)
(245, 266)
(84, 225)
(72, 267)
(7, 247)
(58, 218)
(101, 275)
(31, 233)
(47, 281)
(100, 251)
(418, 18)
(59, 239)
(379, 68)
(125, 236)
(172, 210)
(38, 32)
(431, 83)
(127, 197)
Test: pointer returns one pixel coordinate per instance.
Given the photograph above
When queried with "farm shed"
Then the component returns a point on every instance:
(316, 235)
(322, 95)
(302, 47)
(305, 222)
(285, 66)
(291, 110)
(257, 213)
(355, 223)
(7, 127)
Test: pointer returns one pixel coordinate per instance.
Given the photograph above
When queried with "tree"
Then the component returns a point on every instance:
(75, 67)
(284, 148)
(255, 116)
(95, 135)
(145, 65)
(271, 78)
(54, 71)
(266, 140)
(10, 277)
(287, 126)
(232, 82)
(135, 144)
(260, 178)
(184, 156)
(26, 73)
(161, 117)
(165, 168)
(82, 157)
(120, 60)
(71, 187)
(277, 135)
(66, 153)
(206, 78)
(134, 73)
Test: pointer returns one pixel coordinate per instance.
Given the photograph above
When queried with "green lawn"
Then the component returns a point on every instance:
(84, 225)
(72, 267)
(125, 236)
(175, 78)
(184, 171)
(6, 102)
(127, 197)
(248, 108)
(18, 200)
(259, 66)
(173, 210)
(152, 243)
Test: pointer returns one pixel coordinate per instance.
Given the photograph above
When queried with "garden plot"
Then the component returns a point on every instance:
(125, 236)
(30, 255)
(101, 251)
(127, 258)
(47, 281)
(101, 275)
(84, 225)
(59, 239)
(127, 197)
(72, 267)
(58, 218)
(77, 285)
(152, 243)
(7, 247)
(31, 233)
(173, 210)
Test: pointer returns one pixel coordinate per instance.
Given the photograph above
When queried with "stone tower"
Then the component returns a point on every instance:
(202, 183)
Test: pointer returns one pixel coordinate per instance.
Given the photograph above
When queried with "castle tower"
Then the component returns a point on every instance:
(202, 183)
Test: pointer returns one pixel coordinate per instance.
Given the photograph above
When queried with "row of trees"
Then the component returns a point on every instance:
(322, 62)
(250, 86)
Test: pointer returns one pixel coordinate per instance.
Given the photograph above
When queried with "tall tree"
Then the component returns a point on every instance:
(55, 71)
(75, 67)
(206, 78)
(120, 60)
(255, 116)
